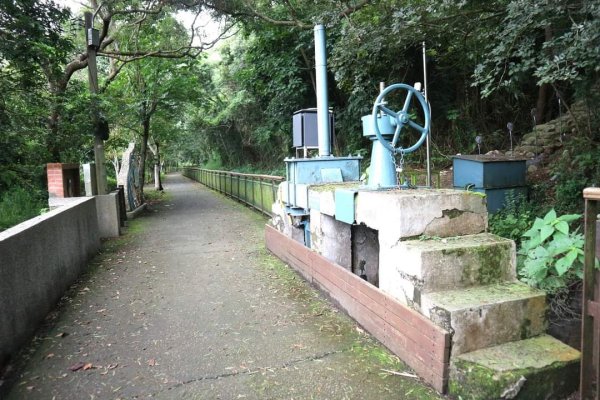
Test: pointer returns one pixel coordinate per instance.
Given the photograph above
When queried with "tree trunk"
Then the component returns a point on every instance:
(157, 180)
(544, 92)
(143, 152)
(542, 101)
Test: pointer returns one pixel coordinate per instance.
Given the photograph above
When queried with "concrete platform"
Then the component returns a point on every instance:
(488, 315)
(536, 368)
(415, 267)
(406, 214)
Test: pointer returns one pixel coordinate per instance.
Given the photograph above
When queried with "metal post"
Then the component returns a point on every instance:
(322, 98)
(427, 143)
(99, 158)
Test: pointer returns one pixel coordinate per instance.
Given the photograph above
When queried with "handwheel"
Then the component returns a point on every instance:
(401, 118)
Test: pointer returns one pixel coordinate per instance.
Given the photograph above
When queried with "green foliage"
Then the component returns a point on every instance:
(18, 205)
(551, 257)
(514, 219)
(577, 169)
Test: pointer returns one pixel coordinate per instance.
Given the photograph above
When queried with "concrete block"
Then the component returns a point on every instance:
(89, 179)
(322, 197)
(285, 224)
(414, 267)
(486, 316)
(331, 238)
(109, 222)
(405, 214)
(536, 368)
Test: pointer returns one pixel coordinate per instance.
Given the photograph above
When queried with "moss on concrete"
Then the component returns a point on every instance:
(330, 187)
(490, 261)
(482, 295)
(537, 368)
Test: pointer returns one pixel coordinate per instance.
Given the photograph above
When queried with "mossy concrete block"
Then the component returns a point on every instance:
(486, 316)
(415, 267)
(406, 214)
(536, 368)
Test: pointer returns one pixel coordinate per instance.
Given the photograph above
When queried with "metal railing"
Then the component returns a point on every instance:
(257, 191)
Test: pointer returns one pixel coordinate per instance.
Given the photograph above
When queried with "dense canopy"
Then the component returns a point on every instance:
(226, 100)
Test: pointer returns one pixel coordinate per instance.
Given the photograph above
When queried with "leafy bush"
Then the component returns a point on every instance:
(18, 205)
(577, 169)
(514, 219)
(551, 257)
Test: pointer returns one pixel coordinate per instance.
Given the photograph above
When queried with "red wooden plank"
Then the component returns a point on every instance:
(416, 340)
(422, 325)
(423, 359)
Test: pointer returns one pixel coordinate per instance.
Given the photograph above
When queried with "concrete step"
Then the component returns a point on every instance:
(415, 267)
(485, 316)
(537, 368)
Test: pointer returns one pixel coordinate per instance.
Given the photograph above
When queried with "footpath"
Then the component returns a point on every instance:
(188, 304)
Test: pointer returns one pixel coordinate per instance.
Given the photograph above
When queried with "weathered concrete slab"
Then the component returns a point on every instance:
(284, 223)
(322, 197)
(331, 238)
(405, 214)
(107, 207)
(486, 316)
(536, 368)
(411, 268)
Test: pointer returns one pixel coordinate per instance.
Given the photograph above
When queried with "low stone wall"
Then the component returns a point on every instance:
(39, 260)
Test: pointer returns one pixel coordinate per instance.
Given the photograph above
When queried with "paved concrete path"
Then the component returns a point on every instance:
(189, 305)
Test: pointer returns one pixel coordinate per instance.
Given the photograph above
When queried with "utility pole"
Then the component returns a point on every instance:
(93, 41)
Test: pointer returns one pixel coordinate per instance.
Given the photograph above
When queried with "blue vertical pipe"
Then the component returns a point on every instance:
(322, 99)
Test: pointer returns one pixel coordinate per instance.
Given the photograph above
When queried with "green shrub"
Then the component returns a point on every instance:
(551, 257)
(514, 219)
(18, 205)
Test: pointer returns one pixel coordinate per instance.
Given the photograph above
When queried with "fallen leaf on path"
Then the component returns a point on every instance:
(77, 366)
(49, 355)
(62, 334)
(152, 362)
(88, 366)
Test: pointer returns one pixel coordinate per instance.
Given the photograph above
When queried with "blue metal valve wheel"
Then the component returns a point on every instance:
(401, 119)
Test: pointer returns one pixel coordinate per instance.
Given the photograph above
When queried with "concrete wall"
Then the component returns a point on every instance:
(109, 222)
(39, 260)
(107, 211)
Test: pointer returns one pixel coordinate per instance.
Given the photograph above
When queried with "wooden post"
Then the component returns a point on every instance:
(590, 313)
(93, 82)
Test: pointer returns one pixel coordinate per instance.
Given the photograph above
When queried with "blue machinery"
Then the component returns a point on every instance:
(301, 173)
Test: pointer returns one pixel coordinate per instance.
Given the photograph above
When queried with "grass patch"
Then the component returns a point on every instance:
(154, 196)
(18, 205)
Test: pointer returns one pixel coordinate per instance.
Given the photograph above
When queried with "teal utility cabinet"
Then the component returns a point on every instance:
(496, 176)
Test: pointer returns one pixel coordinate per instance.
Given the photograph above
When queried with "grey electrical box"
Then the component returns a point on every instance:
(304, 127)
(93, 37)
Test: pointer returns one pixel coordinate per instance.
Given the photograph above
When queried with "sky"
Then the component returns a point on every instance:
(211, 27)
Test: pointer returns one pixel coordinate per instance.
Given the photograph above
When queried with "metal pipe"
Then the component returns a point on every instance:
(428, 178)
(322, 98)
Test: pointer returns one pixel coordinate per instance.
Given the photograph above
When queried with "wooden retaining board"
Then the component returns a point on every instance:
(421, 344)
